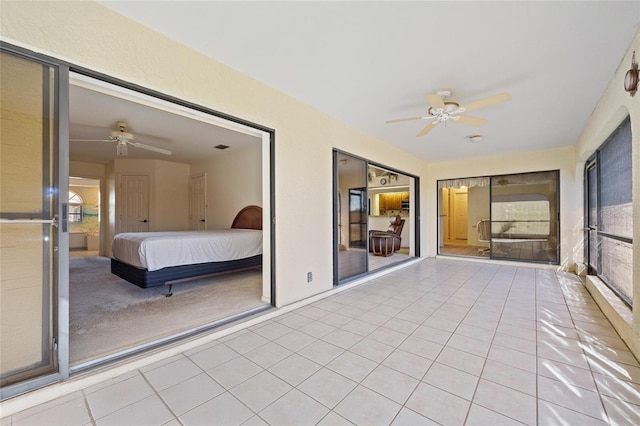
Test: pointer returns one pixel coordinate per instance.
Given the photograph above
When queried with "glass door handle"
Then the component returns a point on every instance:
(23, 221)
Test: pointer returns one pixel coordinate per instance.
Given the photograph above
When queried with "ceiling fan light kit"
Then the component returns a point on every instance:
(121, 149)
(446, 113)
(441, 111)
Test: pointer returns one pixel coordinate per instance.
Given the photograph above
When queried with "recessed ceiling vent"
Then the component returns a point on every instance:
(221, 146)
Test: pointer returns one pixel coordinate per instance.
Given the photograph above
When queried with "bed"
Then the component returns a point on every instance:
(150, 259)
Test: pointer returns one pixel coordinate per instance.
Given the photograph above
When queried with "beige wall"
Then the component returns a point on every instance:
(615, 104)
(171, 193)
(234, 181)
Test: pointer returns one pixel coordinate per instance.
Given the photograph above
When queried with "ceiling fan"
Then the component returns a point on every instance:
(441, 111)
(123, 140)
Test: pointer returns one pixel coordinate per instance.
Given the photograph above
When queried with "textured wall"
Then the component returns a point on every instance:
(234, 180)
(613, 107)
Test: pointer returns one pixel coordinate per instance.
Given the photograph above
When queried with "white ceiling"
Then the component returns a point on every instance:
(368, 62)
(95, 107)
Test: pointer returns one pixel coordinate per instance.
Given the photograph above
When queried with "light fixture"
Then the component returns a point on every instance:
(442, 115)
(631, 78)
(121, 148)
(475, 138)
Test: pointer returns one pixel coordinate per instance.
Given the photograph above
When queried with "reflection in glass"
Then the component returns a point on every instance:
(524, 217)
(351, 216)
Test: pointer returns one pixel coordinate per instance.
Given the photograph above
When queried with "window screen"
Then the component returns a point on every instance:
(609, 212)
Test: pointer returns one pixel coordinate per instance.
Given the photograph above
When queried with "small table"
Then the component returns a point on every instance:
(382, 244)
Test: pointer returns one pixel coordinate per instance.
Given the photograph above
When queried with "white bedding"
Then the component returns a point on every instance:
(157, 250)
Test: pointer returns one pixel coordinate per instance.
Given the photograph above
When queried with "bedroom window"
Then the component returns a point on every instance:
(75, 208)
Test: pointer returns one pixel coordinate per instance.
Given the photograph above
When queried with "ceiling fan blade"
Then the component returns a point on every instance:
(91, 140)
(472, 121)
(481, 103)
(428, 128)
(435, 101)
(408, 119)
(150, 148)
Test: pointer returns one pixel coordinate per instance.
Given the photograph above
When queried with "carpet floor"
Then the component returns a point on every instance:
(108, 314)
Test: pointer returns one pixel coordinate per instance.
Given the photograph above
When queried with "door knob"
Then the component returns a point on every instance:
(144, 221)
(202, 220)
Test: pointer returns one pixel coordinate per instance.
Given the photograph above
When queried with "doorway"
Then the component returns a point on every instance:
(198, 202)
(159, 184)
(511, 217)
(374, 217)
(456, 223)
(84, 215)
(133, 203)
(35, 270)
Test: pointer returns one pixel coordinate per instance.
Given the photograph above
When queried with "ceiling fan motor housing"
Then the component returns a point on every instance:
(122, 136)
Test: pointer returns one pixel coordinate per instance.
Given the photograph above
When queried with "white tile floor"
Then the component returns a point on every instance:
(438, 342)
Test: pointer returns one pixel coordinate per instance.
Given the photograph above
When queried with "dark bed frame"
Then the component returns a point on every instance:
(249, 217)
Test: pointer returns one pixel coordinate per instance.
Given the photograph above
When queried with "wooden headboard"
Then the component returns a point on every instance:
(249, 217)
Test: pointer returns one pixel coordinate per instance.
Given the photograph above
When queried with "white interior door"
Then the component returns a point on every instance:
(198, 202)
(460, 214)
(133, 207)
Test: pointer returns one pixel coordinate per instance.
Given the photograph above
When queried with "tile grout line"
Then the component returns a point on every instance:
(486, 357)
(604, 407)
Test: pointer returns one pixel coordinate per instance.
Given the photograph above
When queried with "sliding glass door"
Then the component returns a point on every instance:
(513, 217)
(28, 226)
(374, 217)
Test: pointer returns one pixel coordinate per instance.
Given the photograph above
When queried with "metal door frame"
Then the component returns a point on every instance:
(61, 287)
(59, 237)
